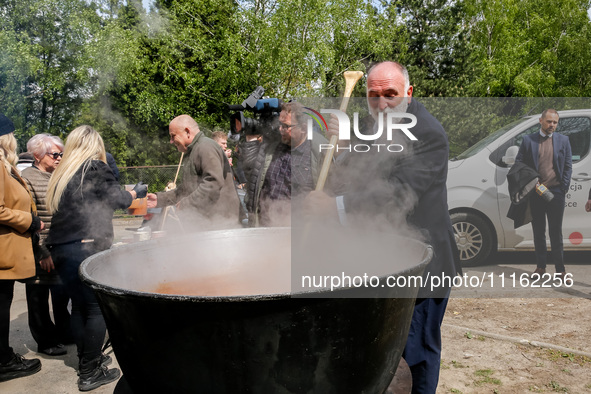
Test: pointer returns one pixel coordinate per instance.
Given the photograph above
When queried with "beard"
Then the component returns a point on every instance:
(400, 108)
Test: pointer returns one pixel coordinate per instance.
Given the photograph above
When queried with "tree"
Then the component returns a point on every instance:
(55, 34)
(433, 43)
(17, 63)
(531, 48)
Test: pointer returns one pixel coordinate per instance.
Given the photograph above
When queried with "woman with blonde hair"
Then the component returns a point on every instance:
(18, 221)
(82, 195)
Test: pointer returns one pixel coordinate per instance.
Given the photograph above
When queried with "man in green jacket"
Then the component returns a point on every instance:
(206, 198)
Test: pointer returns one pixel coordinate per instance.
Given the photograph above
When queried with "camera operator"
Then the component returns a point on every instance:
(222, 139)
(280, 169)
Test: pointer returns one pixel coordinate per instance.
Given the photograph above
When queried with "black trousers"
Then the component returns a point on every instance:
(6, 294)
(423, 346)
(554, 211)
(44, 331)
(88, 325)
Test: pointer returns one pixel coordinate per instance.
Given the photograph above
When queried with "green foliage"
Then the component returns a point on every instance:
(438, 46)
(128, 71)
(531, 48)
(556, 387)
(16, 64)
(468, 120)
(485, 377)
(156, 66)
(54, 76)
(457, 364)
(157, 178)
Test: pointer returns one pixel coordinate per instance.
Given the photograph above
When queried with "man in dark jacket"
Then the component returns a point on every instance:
(282, 169)
(550, 154)
(206, 198)
(412, 183)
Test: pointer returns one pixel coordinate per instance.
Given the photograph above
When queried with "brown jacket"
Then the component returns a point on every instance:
(16, 256)
(206, 197)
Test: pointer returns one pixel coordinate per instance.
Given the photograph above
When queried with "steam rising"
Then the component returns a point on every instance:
(253, 262)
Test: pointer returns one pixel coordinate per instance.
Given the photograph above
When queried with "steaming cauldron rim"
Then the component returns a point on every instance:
(87, 278)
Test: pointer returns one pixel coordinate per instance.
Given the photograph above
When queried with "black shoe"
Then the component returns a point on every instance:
(99, 376)
(19, 367)
(106, 360)
(57, 350)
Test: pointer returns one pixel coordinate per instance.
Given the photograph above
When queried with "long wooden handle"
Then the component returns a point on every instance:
(178, 168)
(351, 78)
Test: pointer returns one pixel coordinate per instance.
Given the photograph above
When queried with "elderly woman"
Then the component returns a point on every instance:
(82, 195)
(17, 224)
(47, 152)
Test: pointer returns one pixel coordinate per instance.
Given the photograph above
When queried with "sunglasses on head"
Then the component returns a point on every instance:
(55, 155)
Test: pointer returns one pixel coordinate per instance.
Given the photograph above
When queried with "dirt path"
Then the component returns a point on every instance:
(491, 346)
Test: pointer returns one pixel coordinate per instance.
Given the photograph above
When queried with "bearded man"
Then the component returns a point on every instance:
(409, 181)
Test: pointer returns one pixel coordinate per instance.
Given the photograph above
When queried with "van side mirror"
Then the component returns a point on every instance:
(510, 155)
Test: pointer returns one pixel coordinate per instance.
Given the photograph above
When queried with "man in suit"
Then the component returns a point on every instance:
(411, 183)
(549, 153)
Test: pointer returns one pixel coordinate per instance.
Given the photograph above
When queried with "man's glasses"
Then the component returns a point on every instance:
(285, 126)
(55, 155)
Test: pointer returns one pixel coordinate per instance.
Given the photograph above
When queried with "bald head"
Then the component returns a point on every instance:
(392, 70)
(388, 89)
(182, 130)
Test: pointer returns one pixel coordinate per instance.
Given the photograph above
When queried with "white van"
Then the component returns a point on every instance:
(478, 196)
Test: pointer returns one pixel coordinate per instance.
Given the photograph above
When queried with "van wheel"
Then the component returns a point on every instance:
(474, 238)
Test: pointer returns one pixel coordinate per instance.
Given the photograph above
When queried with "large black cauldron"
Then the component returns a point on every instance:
(268, 342)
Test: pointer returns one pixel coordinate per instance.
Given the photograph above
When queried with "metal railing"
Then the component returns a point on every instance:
(156, 177)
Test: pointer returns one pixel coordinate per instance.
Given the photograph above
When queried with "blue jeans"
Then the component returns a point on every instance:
(88, 325)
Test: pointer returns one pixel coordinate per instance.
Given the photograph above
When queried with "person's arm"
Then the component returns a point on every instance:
(521, 152)
(110, 188)
(47, 263)
(19, 220)
(113, 166)
(333, 130)
(249, 152)
(42, 251)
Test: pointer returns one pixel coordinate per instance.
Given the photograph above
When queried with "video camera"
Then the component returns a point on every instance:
(267, 122)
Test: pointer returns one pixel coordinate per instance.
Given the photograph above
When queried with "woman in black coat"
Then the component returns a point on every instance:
(82, 195)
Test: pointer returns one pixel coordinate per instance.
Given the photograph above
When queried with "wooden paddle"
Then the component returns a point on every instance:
(351, 78)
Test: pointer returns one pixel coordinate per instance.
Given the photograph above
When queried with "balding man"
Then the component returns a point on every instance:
(409, 181)
(206, 196)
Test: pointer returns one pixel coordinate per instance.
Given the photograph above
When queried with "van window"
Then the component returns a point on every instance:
(477, 147)
(577, 129)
